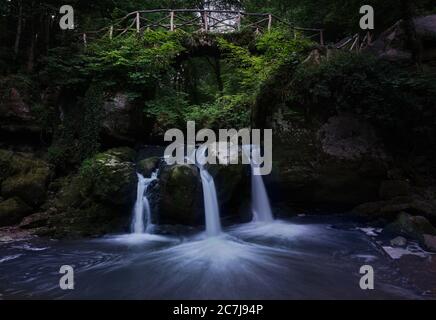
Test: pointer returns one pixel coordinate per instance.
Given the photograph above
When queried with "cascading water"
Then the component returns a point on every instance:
(211, 208)
(141, 221)
(260, 204)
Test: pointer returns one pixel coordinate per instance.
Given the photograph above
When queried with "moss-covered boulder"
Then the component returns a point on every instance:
(23, 176)
(180, 195)
(147, 166)
(95, 201)
(12, 211)
(110, 177)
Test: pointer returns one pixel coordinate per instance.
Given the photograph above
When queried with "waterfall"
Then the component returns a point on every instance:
(211, 208)
(260, 205)
(141, 220)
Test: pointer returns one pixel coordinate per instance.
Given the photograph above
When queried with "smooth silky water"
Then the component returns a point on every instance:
(300, 258)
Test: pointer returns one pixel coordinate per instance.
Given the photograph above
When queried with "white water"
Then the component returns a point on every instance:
(211, 208)
(260, 205)
(141, 222)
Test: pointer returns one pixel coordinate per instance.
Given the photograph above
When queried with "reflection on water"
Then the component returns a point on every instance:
(278, 260)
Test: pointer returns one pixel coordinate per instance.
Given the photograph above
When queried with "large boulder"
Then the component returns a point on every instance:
(230, 182)
(180, 195)
(96, 201)
(339, 163)
(12, 211)
(110, 177)
(122, 120)
(23, 176)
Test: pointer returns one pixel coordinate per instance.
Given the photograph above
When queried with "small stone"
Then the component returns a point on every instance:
(399, 242)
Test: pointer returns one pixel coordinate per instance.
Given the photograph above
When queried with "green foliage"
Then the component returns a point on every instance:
(77, 137)
(134, 61)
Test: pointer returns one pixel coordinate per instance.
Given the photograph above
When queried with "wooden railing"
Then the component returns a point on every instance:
(194, 20)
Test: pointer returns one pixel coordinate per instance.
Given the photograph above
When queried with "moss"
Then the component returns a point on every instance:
(147, 166)
(12, 211)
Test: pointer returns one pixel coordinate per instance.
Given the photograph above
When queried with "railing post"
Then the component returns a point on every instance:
(172, 21)
(269, 22)
(321, 37)
(138, 22)
(206, 23)
(111, 32)
(85, 43)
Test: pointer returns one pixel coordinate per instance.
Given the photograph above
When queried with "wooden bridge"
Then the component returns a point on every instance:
(202, 21)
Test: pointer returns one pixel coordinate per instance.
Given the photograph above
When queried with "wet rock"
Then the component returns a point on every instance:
(228, 181)
(412, 227)
(398, 242)
(390, 189)
(147, 166)
(12, 211)
(180, 190)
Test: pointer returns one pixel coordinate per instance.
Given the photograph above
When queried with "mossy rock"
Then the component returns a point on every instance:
(90, 220)
(24, 176)
(122, 153)
(31, 186)
(12, 211)
(109, 177)
(180, 191)
(147, 166)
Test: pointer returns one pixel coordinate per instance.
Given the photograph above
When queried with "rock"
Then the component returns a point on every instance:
(338, 164)
(228, 181)
(180, 189)
(346, 137)
(413, 227)
(24, 176)
(430, 242)
(147, 166)
(122, 121)
(30, 187)
(14, 107)
(413, 204)
(392, 44)
(12, 211)
(390, 189)
(110, 177)
(36, 220)
(16, 120)
(398, 242)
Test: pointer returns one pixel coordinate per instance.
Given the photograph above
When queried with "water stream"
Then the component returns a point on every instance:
(141, 220)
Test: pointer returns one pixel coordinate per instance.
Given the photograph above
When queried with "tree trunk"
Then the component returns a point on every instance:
(19, 29)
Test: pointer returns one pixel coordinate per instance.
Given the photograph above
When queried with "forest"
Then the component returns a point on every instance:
(84, 112)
